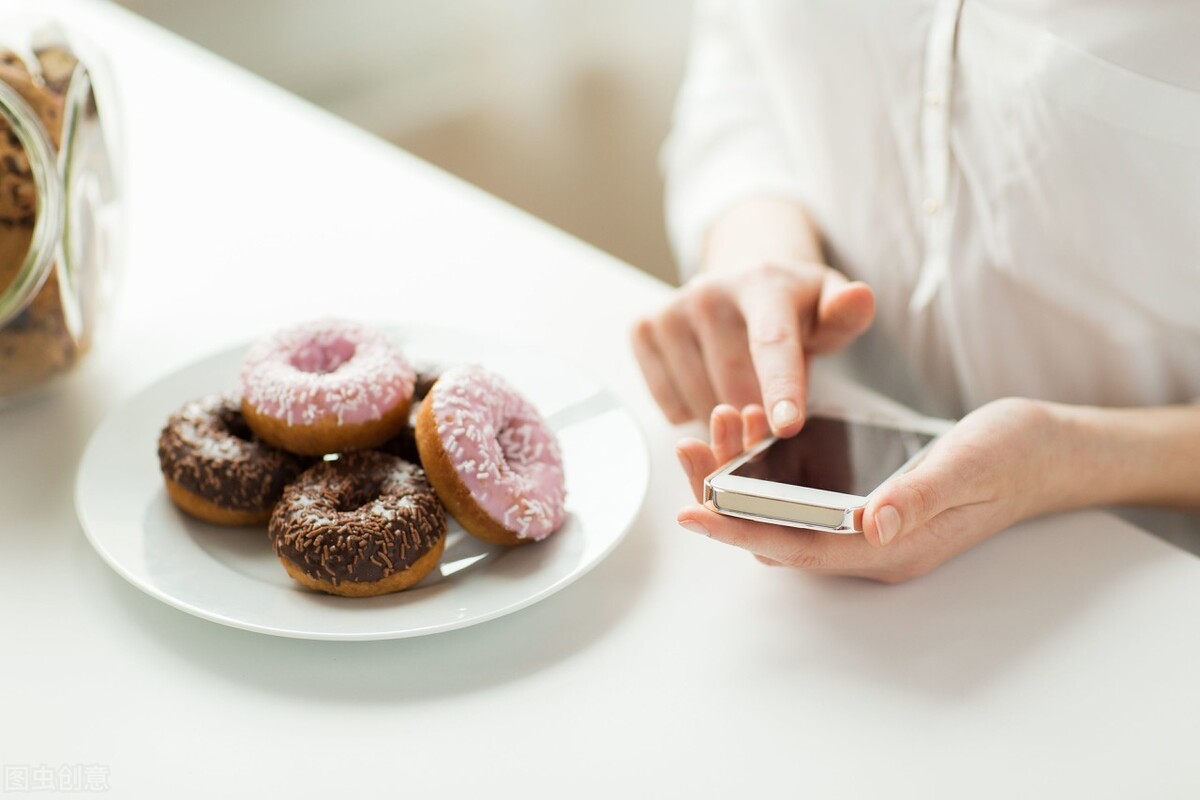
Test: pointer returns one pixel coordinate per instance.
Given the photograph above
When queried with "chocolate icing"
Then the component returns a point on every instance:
(208, 449)
(360, 518)
(427, 375)
(404, 444)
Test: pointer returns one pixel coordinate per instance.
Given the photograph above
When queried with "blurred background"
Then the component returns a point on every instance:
(558, 106)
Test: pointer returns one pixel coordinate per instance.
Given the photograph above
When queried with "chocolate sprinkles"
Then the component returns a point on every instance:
(208, 449)
(361, 518)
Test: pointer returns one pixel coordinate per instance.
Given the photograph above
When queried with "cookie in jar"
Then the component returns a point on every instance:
(59, 205)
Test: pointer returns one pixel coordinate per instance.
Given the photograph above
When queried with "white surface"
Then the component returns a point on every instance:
(1056, 660)
(231, 575)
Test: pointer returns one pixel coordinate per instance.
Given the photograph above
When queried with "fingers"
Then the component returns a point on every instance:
(676, 340)
(728, 441)
(698, 462)
(695, 354)
(658, 379)
(773, 331)
(725, 430)
(792, 546)
(746, 342)
(755, 427)
(844, 311)
(821, 553)
(669, 355)
(721, 332)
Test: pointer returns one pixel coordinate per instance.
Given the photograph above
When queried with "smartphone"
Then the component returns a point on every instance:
(821, 477)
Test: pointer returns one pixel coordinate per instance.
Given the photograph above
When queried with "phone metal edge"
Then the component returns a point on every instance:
(851, 517)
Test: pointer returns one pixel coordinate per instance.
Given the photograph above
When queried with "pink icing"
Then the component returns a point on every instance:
(502, 450)
(326, 369)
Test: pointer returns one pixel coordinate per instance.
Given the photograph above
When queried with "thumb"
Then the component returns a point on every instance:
(908, 501)
(844, 311)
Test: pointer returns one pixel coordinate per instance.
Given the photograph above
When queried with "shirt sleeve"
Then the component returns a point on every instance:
(726, 141)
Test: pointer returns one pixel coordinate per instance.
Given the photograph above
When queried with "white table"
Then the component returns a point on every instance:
(1057, 660)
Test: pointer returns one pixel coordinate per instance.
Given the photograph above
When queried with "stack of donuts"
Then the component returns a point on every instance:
(352, 459)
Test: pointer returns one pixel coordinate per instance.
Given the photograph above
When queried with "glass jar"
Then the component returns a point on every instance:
(59, 206)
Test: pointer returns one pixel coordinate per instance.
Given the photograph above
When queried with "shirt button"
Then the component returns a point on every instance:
(933, 99)
(931, 206)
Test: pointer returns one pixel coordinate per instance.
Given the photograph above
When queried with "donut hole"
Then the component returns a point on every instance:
(324, 357)
(356, 497)
(235, 425)
(518, 448)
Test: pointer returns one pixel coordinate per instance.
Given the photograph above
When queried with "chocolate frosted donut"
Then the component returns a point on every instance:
(365, 524)
(216, 469)
(404, 444)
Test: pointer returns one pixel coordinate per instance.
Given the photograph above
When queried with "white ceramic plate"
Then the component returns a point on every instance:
(231, 575)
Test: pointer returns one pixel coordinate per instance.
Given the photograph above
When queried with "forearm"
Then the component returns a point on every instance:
(757, 231)
(1129, 456)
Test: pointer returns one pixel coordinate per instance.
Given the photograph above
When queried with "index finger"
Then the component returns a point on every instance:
(776, 350)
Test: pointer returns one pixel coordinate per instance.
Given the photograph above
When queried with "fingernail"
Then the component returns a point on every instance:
(887, 522)
(784, 413)
(694, 527)
(684, 461)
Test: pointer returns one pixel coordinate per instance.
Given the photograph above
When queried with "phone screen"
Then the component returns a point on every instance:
(836, 455)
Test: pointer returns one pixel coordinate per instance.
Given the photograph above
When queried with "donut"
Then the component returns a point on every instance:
(216, 469)
(491, 458)
(326, 387)
(404, 444)
(365, 524)
(427, 376)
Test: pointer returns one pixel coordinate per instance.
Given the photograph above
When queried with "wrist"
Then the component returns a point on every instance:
(1057, 461)
(758, 231)
(1079, 474)
(1128, 456)
(1050, 454)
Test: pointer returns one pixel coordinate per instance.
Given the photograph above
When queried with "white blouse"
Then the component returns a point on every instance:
(1019, 182)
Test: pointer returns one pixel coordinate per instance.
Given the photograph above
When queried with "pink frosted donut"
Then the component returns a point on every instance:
(326, 387)
(491, 458)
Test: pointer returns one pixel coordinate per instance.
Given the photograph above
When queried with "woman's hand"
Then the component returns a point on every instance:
(1003, 463)
(746, 337)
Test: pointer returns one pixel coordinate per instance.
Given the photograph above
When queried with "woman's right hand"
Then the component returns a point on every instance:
(746, 338)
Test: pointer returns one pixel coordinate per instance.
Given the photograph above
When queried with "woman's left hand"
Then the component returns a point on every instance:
(997, 466)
